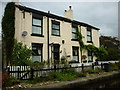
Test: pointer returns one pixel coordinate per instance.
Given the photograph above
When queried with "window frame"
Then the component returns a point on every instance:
(89, 29)
(75, 48)
(90, 54)
(53, 22)
(40, 46)
(75, 33)
(37, 17)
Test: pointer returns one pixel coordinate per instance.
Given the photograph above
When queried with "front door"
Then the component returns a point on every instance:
(56, 52)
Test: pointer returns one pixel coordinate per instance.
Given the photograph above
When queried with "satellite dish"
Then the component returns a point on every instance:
(24, 33)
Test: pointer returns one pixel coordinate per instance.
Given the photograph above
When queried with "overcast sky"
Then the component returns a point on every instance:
(103, 15)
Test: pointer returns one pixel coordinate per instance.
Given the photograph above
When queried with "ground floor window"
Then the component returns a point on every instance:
(90, 56)
(75, 54)
(37, 52)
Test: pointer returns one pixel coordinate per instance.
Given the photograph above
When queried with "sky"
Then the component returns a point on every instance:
(103, 15)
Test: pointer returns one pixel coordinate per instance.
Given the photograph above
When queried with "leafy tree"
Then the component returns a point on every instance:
(21, 54)
(101, 53)
(8, 30)
(112, 45)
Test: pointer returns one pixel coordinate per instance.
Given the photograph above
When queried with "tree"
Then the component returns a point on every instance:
(21, 54)
(101, 53)
(112, 45)
(8, 31)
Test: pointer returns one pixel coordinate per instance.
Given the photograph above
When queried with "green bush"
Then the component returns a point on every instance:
(58, 76)
(68, 71)
(113, 67)
(21, 54)
(93, 71)
(11, 81)
(66, 75)
(80, 74)
(118, 64)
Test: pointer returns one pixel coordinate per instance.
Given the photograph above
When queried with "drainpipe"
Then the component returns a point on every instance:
(48, 36)
(80, 46)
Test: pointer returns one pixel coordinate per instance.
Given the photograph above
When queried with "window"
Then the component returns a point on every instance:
(37, 25)
(75, 54)
(90, 56)
(89, 34)
(74, 32)
(37, 52)
(56, 28)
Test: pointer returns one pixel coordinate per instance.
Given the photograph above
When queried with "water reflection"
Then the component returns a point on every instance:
(113, 82)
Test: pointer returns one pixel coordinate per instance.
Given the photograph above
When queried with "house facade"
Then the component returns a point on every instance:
(52, 37)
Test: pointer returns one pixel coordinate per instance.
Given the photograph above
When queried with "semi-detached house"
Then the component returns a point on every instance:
(52, 37)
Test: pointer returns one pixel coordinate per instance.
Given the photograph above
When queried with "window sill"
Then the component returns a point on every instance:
(74, 39)
(89, 41)
(55, 35)
(90, 61)
(73, 62)
(38, 35)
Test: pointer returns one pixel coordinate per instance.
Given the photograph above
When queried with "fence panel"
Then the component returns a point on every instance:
(24, 72)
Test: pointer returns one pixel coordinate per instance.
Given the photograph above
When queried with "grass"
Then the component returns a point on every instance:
(94, 71)
(114, 67)
(63, 75)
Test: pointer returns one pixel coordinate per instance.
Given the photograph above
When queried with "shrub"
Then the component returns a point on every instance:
(92, 71)
(66, 75)
(58, 76)
(35, 80)
(69, 71)
(21, 54)
(37, 65)
(80, 74)
(113, 67)
(11, 81)
(5, 77)
(118, 65)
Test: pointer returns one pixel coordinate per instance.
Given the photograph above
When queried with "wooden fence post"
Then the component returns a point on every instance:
(55, 67)
(8, 70)
(102, 66)
(32, 74)
(92, 65)
(82, 67)
(18, 73)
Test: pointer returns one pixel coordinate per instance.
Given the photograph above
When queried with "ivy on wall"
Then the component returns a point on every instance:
(100, 52)
(8, 31)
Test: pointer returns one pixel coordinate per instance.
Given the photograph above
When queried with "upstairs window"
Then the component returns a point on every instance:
(37, 25)
(55, 28)
(37, 52)
(74, 32)
(89, 34)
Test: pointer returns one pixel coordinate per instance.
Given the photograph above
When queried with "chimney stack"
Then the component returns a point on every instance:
(69, 13)
(70, 7)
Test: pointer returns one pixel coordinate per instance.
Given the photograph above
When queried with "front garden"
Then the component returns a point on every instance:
(56, 76)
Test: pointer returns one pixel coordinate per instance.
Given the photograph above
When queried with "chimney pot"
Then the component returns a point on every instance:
(70, 7)
(65, 10)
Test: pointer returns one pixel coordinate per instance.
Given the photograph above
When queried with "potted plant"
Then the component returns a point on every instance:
(84, 58)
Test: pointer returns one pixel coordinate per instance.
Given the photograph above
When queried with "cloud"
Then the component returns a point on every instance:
(103, 15)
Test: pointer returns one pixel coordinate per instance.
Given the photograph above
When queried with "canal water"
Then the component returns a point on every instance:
(103, 83)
